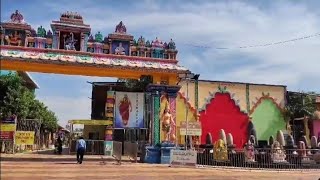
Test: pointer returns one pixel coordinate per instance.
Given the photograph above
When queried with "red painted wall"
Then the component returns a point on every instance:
(223, 113)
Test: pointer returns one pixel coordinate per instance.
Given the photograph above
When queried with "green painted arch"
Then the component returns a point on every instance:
(267, 119)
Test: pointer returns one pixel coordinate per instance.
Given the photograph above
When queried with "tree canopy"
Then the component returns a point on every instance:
(300, 104)
(137, 84)
(18, 100)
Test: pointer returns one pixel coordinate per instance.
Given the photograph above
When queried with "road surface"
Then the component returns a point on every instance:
(17, 170)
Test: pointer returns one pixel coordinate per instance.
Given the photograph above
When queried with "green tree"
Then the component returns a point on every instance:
(14, 97)
(300, 105)
(17, 99)
(137, 84)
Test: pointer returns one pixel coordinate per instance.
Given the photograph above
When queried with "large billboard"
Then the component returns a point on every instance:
(129, 108)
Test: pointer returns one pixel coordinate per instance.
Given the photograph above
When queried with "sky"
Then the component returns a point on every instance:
(194, 26)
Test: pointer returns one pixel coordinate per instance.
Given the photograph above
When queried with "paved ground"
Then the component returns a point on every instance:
(11, 170)
(54, 158)
(45, 166)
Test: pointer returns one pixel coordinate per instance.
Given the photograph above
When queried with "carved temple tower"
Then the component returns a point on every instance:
(70, 32)
(15, 31)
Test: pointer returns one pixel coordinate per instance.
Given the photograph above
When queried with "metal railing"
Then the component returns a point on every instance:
(94, 147)
(287, 159)
(117, 151)
(131, 150)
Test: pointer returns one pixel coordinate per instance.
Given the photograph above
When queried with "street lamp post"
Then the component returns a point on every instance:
(187, 77)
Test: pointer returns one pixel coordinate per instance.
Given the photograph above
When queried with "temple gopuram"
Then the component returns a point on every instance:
(70, 48)
(70, 41)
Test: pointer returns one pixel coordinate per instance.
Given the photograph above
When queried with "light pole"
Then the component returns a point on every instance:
(187, 77)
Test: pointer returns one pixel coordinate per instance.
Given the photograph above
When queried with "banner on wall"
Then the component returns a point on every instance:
(6, 135)
(24, 137)
(129, 108)
(183, 157)
(8, 128)
(194, 129)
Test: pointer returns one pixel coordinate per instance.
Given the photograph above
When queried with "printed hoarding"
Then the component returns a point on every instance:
(129, 110)
(24, 137)
(194, 129)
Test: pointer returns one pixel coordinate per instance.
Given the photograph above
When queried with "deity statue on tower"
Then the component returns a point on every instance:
(121, 28)
(120, 50)
(69, 42)
(14, 39)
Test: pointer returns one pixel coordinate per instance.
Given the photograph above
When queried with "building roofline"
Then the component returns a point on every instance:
(215, 81)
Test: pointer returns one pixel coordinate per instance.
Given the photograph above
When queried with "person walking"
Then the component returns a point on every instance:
(81, 149)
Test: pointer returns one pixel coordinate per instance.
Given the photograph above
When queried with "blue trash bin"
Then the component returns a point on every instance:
(153, 155)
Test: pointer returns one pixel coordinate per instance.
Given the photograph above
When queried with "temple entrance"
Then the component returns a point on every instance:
(70, 48)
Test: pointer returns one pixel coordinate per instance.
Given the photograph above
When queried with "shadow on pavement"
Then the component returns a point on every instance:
(66, 163)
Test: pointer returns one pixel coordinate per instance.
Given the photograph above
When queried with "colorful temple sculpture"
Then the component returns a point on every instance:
(70, 42)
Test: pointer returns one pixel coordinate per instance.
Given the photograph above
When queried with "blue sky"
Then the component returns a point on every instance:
(213, 23)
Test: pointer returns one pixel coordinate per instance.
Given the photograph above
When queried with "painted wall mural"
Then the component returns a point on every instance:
(223, 112)
(267, 118)
(217, 99)
(129, 110)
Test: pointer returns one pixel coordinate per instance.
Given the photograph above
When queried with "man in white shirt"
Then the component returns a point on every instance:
(81, 149)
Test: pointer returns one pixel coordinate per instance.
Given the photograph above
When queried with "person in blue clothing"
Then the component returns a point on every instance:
(81, 149)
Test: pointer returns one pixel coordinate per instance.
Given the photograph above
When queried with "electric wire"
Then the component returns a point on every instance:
(255, 46)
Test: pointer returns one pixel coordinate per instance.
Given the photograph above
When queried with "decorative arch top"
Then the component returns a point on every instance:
(261, 99)
(221, 90)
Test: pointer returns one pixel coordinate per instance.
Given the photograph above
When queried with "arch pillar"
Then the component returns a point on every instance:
(155, 122)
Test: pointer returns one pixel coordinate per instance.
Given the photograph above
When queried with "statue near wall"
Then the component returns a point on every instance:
(168, 125)
(220, 151)
(249, 152)
(277, 153)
